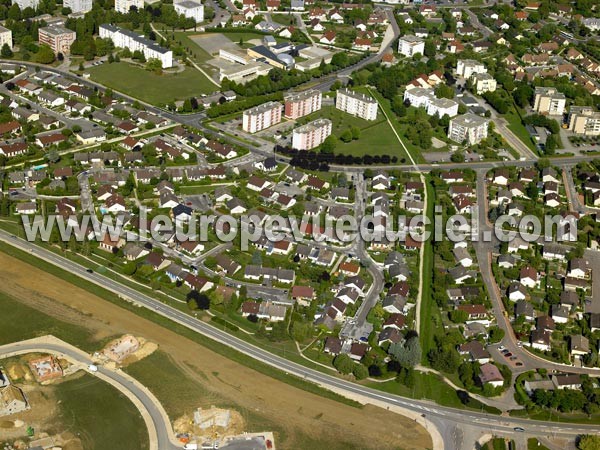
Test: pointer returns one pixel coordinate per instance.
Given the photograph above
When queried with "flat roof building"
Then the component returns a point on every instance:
(58, 38)
(312, 134)
(261, 117)
(549, 101)
(584, 120)
(410, 45)
(468, 128)
(128, 39)
(356, 104)
(190, 9)
(301, 104)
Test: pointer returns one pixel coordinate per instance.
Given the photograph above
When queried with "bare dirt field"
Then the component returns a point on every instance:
(298, 414)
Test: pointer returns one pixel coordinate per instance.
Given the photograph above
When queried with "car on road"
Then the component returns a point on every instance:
(508, 355)
(89, 270)
(501, 348)
(519, 429)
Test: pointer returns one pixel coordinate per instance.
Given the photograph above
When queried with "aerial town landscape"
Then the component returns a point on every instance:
(300, 224)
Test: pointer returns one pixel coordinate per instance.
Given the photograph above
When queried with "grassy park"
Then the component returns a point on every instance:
(150, 87)
(99, 414)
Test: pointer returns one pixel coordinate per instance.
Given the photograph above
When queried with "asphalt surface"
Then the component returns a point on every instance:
(162, 427)
(440, 416)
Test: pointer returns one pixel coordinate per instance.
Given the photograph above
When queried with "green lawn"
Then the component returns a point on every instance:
(516, 126)
(245, 36)
(19, 322)
(100, 415)
(384, 104)
(427, 385)
(430, 313)
(376, 137)
(534, 444)
(149, 87)
(198, 54)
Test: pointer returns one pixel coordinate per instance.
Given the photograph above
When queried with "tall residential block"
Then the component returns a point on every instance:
(311, 135)
(302, 104)
(190, 9)
(356, 104)
(584, 120)
(468, 128)
(78, 6)
(5, 37)
(549, 101)
(411, 45)
(124, 6)
(58, 38)
(261, 117)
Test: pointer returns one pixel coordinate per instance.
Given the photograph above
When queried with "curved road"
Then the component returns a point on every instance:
(159, 427)
(440, 416)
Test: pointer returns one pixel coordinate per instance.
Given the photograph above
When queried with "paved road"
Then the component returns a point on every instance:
(484, 250)
(160, 427)
(438, 416)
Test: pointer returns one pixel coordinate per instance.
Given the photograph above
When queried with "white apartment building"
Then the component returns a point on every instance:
(549, 101)
(302, 104)
(190, 9)
(356, 104)
(78, 6)
(468, 127)
(410, 45)
(584, 120)
(58, 38)
(311, 135)
(261, 117)
(467, 67)
(128, 39)
(26, 3)
(5, 37)
(425, 98)
(483, 83)
(124, 6)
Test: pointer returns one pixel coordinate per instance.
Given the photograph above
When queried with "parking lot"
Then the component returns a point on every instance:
(503, 356)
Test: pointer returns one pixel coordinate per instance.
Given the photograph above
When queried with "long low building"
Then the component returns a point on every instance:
(311, 135)
(128, 39)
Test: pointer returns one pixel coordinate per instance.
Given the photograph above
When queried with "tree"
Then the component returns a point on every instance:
(6, 52)
(430, 49)
(589, 442)
(407, 353)
(360, 372)
(14, 12)
(496, 334)
(329, 144)
(444, 91)
(45, 55)
(458, 316)
(551, 145)
(346, 136)
(196, 300)
(343, 364)
(154, 65)
(129, 268)
(444, 359)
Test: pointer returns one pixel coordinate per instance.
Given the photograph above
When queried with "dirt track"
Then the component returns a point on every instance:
(299, 413)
